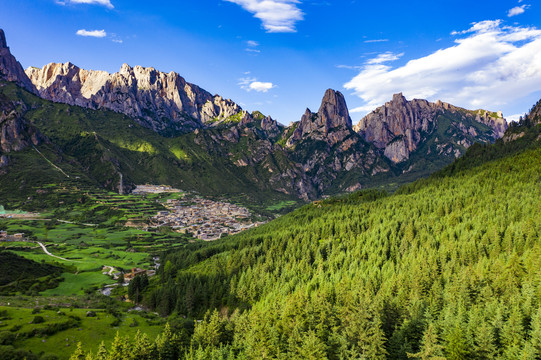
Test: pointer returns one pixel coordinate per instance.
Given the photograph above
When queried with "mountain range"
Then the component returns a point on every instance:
(142, 125)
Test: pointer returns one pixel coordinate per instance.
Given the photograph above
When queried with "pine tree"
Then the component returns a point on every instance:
(430, 348)
(118, 349)
(143, 349)
(102, 352)
(312, 347)
(78, 354)
(456, 347)
(535, 334)
(485, 348)
(513, 329)
(167, 344)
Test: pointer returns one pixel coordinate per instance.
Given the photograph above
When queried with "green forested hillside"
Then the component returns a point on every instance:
(98, 147)
(449, 267)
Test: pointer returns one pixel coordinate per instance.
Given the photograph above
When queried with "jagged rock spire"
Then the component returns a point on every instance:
(3, 43)
(331, 123)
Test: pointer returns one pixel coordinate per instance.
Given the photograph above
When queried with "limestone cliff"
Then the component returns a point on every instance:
(164, 102)
(400, 127)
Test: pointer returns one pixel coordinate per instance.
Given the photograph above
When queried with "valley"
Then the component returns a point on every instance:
(142, 217)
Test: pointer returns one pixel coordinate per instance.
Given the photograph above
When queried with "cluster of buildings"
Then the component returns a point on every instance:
(4, 236)
(206, 219)
(154, 189)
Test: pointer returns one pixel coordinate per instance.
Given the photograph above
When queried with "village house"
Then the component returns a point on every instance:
(134, 272)
(206, 219)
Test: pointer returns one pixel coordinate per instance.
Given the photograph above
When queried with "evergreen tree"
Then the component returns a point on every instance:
(79, 353)
(485, 348)
(102, 352)
(456, 347)
(430, 348)
(118, 349)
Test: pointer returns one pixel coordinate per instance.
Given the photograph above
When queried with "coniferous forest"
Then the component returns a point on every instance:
(446, 268)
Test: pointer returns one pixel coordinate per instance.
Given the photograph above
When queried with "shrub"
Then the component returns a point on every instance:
(38, 319)
(7, 338)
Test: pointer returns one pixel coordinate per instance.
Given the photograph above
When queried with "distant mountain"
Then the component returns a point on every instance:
(401, 127)
(164, 102)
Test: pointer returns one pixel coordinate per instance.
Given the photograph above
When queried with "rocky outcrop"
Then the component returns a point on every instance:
(326, 147)
(330, 124)
(15, 133)
(535, 113)
(400, 126)
(10, 68)
(493, 120)
(164, 102)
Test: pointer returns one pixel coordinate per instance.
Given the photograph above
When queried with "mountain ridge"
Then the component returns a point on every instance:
(164, 102)
(398, 126)
(320, 154)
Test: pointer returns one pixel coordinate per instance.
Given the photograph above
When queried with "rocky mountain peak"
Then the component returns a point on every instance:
(10, 69)
(399, 99)
(330, 124)
(164, 102)
(334, 111)
(125, 69)
(400, 126)
(3, 42)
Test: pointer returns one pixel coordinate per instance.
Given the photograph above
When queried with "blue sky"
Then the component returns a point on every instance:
(279, 56)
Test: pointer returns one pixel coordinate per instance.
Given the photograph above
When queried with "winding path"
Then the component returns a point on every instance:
(48, 253)
(111, 269)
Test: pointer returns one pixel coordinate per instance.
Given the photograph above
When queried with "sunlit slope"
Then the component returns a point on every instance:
(448, 266)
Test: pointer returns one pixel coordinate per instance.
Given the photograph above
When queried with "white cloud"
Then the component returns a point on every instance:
(517, 10)
(376, 40)
(251, 84)
(515, 117)
(278, 16)
(252, 47)
(349, 67)
(106, 3)
(490, 66)
(385, 57)
(92, 33)
(261, 86)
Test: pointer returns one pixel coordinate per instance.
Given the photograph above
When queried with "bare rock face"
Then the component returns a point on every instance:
(10, 69)
(330, 124)
(400, 126)
(535, 113)
(15, 133)
(164, 102)
(494, 120)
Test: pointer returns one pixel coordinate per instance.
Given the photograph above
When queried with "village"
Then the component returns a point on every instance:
(205, 219)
